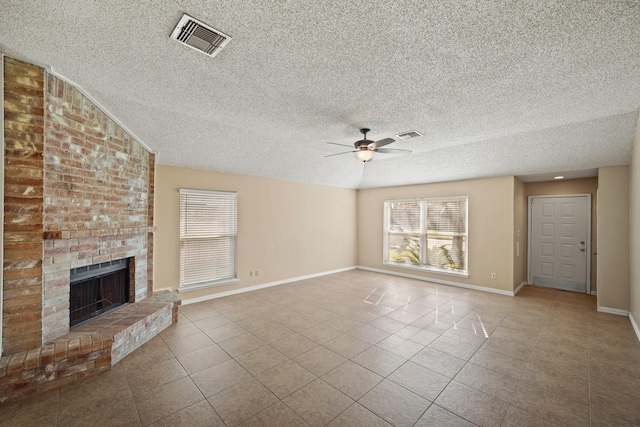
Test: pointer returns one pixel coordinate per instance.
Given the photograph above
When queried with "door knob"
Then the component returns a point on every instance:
(581, 249)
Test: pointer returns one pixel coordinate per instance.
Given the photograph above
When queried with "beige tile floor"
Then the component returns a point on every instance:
(366, 349)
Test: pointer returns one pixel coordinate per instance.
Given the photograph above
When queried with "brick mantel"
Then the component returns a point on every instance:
(99, 232)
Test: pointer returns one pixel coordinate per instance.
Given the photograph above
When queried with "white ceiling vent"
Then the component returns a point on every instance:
(199, 36)
(409, 135)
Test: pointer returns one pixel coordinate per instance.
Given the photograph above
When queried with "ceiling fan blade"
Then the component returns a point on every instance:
(391, 150)
(342, 145)
(337, 154)
(383, 142)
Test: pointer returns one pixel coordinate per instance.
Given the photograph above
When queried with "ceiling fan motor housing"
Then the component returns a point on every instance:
(364, 144)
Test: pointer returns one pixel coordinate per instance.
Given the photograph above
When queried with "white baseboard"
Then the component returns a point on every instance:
(519, 288)
(442, 282)
(635, 325)
(262, 286)
(615, 311)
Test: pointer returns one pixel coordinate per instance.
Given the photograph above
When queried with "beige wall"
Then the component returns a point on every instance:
(520, 233)
(634, 235)
(574, 186)
(285, 229)
(613, 237)
(491, 219)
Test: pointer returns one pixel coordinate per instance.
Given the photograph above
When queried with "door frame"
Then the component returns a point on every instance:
(588, 245)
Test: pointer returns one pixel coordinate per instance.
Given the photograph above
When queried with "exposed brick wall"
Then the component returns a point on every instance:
(96, 194)
(96, 175)
(150, 217)
(78, 191)
(23, 198)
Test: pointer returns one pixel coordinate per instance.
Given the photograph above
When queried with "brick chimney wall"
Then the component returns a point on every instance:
(78, 191)
(23, 199)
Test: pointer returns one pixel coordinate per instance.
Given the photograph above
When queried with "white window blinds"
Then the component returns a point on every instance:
(447, 216)
(404, 217)
(208, 237)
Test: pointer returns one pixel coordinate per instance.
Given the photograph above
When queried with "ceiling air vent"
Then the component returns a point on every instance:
(199, 36)
(409, 135)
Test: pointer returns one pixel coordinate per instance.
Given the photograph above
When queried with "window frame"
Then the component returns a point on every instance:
(423, 201)
(233, 253)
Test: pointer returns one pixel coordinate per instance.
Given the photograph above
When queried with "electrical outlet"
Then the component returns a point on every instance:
(251, 273)
(493, 276)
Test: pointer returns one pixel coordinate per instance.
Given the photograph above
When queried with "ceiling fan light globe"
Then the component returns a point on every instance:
(364, 155)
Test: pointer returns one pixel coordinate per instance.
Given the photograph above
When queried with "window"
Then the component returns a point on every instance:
(427, 234)
(208, 237)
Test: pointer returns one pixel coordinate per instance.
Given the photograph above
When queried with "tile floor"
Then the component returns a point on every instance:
(366, 349)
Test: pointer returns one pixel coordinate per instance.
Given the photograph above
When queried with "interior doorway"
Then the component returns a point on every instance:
(560, 242)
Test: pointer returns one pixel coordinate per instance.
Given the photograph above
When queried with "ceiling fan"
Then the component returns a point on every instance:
(365, 148)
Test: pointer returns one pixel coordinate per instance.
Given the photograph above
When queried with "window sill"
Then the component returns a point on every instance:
(207, 285)
(427, 269)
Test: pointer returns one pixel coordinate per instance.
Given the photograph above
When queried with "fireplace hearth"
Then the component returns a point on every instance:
(96, 289)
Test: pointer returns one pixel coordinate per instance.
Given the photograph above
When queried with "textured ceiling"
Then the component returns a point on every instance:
(496, 87)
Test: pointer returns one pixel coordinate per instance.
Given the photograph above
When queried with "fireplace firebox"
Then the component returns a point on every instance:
(97, 288)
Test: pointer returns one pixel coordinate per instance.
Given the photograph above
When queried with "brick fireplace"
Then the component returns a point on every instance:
(78, 191)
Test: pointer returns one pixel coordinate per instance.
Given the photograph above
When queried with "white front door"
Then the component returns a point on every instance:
(559, 242)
